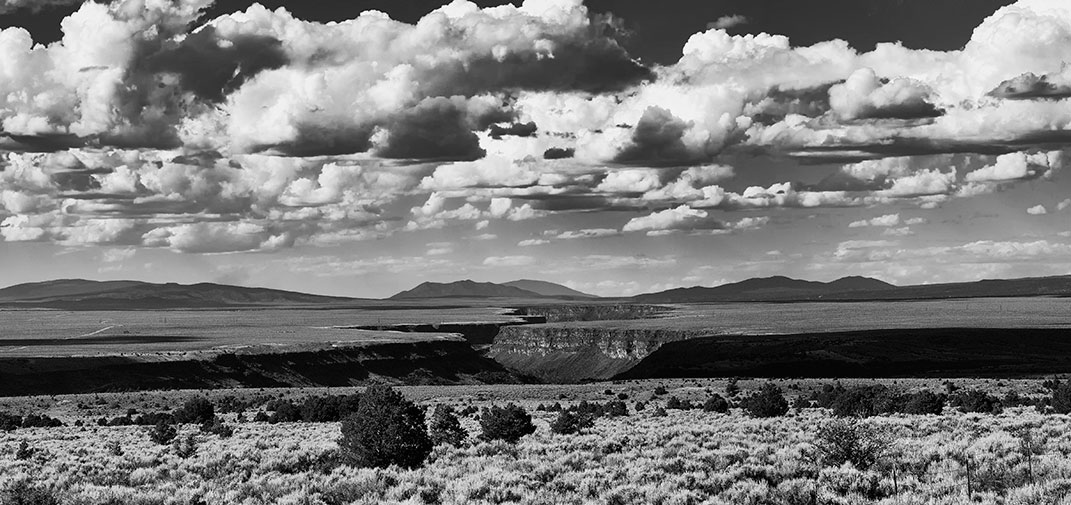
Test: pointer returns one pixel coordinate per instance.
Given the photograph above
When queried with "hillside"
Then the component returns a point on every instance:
(86, 294)
(858, 288)
(767, 289)
(464, 289)
(547, 288)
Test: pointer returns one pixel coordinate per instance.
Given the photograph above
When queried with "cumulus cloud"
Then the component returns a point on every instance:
(887, 220)
(1037, 210)
(1064, 205)
(258, 130)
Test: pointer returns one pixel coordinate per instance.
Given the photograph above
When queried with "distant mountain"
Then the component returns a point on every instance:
(465, 289)
(766, 288)
(547, 288)
(84, 294)
(858, 288)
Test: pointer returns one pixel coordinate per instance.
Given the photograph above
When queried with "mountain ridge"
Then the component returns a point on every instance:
(82, 293)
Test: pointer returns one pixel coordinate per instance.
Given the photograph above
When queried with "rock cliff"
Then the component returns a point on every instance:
(577, 353)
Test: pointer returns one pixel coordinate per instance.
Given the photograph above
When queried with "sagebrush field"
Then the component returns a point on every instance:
(655, 456)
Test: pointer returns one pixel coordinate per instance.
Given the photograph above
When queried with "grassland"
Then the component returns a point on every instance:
(57, 333)
(687, 457)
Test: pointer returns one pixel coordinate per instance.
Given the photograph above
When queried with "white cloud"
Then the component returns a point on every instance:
(887, 220)
(1037, 210)
(731, 21)
(508, 261)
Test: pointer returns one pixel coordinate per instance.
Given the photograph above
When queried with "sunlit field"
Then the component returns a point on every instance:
(1020, 456)
(79, 333)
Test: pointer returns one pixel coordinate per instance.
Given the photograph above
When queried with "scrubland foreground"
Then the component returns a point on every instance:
(651, 455)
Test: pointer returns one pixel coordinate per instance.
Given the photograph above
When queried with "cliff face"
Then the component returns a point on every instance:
(579, 353)
(443, 362)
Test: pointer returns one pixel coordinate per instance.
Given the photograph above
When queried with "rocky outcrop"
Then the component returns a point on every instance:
(577, 353)
(596, 312)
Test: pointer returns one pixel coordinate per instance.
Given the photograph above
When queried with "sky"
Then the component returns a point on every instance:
(359, 148)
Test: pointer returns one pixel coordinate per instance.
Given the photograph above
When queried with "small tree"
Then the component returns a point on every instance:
(767, 402)
(196, 411)
(1061, 399)
(732, 388)
(839, 441)
(185, 447)
(570, 423)
(163, 433)
(386, 430)
(446, 428)
(716, 404)
(508, 423)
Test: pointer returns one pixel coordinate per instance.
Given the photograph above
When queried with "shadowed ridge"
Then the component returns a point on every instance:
(547, 288)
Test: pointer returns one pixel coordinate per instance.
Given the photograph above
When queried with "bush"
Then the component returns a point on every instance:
(660, 412)
(1061, 399)
(716, 404)
(24, 451)
(163, 433)
(386, 430)
(195, 411)
(732, 388)
(864, 401)
(660, 390)
(22, 492)
(9, 422)
(924, 402)
(185, 447)
(446, 428)
(570, 423)
(509, 423)
(218, 428)
(767, 402)
(840, 441)
(976, 401)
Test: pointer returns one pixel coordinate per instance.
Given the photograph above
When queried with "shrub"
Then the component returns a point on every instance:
(24, 451)
(570, 423)
(660, 412)
(767, 402)
(864, 401)
(163, 433)
(446, 428)
(732, 388)
(615, 408)
(9, 422)
(1061, 399)
(185, 447)
(508, 423)
(639, 406)
(22, 492)
(976, 401)
(839, 441)
(716, 404)
(924, 402)
(385, 430)
(195, 411)
(660, 390)
(218, 428)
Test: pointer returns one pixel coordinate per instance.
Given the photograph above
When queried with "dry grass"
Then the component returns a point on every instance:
(687, 457)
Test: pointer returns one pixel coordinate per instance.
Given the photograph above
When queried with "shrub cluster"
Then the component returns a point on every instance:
(315, 409)
(866, 401)
(508, 423)
(11, 422)
(976, 401)
(769, 401)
